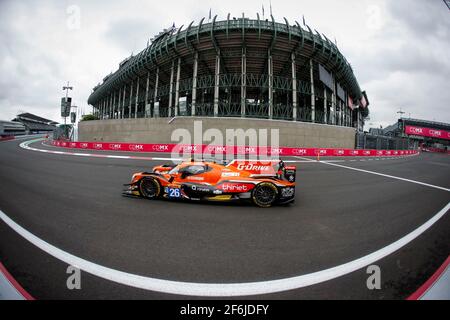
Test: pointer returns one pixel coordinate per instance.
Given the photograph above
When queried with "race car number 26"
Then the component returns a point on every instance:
(174, 192)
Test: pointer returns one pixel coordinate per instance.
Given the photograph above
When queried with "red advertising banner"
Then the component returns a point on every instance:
(4, 138)
(247, 150)
(427, 132)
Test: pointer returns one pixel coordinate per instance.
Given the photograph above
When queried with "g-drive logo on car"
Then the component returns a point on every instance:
(253, 167)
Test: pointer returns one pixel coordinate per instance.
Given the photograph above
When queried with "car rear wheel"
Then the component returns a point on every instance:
(264, 194)
(150, 188)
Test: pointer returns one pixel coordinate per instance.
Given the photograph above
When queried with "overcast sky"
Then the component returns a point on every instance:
(399, 49)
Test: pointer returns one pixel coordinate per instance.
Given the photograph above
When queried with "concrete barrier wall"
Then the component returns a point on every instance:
(159, 130)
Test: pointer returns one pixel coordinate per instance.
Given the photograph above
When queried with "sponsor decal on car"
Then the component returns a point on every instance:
(173, 192)
(236, 187)
(287, 192)
(200, 188)
(231, 174)
(196, 178)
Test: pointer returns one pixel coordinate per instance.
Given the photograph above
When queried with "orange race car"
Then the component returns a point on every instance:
(263, 183)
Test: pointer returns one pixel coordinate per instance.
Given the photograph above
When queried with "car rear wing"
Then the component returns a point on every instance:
(269, 168)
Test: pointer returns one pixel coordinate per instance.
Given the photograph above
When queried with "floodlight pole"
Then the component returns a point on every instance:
(401, 112)
(67, 88)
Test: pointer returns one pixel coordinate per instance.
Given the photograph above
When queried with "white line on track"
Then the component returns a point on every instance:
(221, 289)
(82, 154)
(386, 175)
(306, 160)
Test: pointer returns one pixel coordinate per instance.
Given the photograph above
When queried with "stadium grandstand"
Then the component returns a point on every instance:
(430, 135)
(238, 67)
(34, 124)
(11, 128)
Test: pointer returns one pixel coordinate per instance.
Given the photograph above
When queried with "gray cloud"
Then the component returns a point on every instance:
(130, 34)
(423, 18)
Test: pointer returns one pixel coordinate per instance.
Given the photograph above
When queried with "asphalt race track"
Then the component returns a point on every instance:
(74, 203)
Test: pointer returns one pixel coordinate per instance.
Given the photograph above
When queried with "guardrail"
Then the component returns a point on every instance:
(237, 150)
(435, 150)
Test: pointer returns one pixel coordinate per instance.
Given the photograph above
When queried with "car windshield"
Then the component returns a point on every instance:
(174, 170)
(194, 169)
(190, 170)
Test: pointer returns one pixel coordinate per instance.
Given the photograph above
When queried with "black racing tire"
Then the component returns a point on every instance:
(264, 194)
(150, 188)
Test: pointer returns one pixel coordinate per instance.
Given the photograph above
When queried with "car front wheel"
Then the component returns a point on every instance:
(150, 188)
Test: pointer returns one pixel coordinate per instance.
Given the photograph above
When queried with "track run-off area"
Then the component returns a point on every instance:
(61, 207)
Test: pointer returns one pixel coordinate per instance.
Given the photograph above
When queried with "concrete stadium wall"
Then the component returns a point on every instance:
(159, 130)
